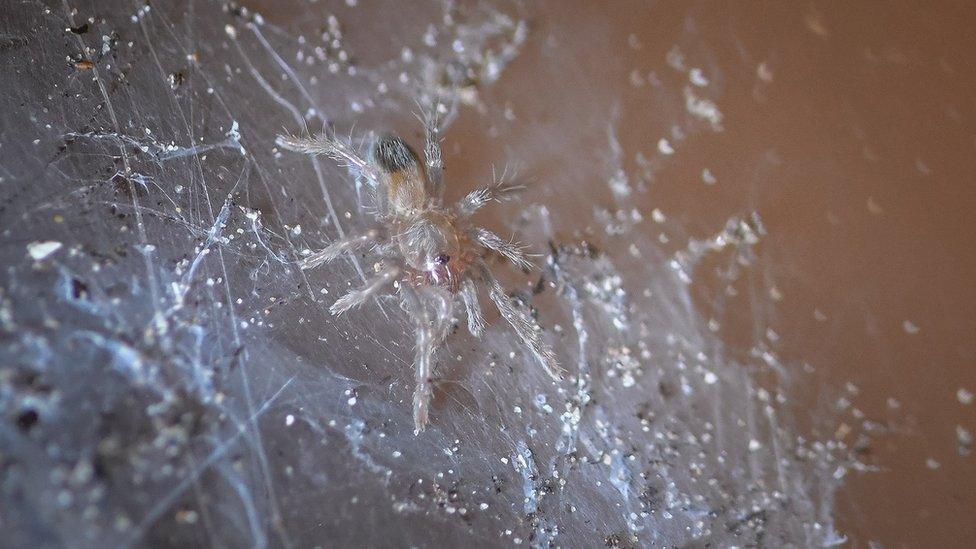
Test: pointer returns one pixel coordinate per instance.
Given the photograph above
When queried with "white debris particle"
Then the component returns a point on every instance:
(697, 77)
(710, 378)
(676, 59)
(665, 147)
(964, 396)
(931, 463)
(703, 108)
(964, 436)
(627, 380)
(41, 250)
(289, 420)
(352, 401)
(909, 327)
(230, 30)
(658, 216)
(483, 506)
(754, 445)
(636, 79)
(708, 177)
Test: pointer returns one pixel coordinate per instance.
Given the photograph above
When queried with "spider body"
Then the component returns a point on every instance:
(431, 253)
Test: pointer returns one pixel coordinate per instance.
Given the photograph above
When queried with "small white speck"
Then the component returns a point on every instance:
(352, 401)
(964, 436)
(665, 147)
(964, 396)
(708, 177)
(711, 378)
(909, 327)
(754, 445)
(483, 506)
(505, 461)
(40, 250)
(230, 30)
(289, 420)
(931, 463)
(697, 77)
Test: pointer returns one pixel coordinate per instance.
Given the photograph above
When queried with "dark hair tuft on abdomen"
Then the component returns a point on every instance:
(392, 154)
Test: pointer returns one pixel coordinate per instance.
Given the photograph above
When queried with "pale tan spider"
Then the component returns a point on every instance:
(430, 252)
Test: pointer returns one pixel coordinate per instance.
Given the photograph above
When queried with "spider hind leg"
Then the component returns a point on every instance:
(431, 311)
(469, 296)
(524, 325)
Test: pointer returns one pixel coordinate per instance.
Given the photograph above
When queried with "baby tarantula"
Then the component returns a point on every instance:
(431, 253)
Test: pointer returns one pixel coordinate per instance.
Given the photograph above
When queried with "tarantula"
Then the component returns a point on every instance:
(430, 252)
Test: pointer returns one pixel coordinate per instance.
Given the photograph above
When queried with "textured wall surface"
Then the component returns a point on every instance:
(753, 234)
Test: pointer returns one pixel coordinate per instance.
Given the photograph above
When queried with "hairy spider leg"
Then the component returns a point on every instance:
(431, 309)
(433, 158)
(481, 196)
(524, 325)
(335, 249)
(469, 296)
(332, 147)
(373, 286)
(509, 249)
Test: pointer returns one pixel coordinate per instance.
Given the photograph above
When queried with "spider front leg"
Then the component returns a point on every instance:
(524, 325)
(372, 287)
(509, 249)
(330, 146)
(431, 310)
(332, 251)
(433, 157)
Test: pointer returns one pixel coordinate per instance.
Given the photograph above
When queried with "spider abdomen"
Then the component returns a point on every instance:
(400, 173)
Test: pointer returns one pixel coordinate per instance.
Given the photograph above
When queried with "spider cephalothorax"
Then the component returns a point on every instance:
(430, 252)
